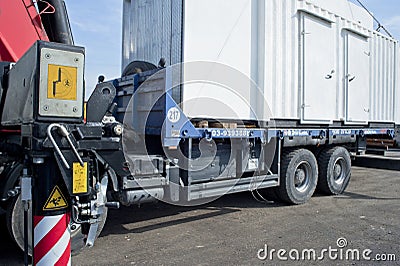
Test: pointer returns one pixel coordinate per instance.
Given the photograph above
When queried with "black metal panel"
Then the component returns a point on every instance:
(100, 101)
(227, 160)
(116, 160)
(21, 101)
(21, 97)
(220, 166)
(378, 162)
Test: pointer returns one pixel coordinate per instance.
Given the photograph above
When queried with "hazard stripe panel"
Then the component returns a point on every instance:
(44, 227)
(52, 240)
(37, 219)
(65, 259)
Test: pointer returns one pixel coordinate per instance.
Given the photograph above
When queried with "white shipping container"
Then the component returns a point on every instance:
(315, 61)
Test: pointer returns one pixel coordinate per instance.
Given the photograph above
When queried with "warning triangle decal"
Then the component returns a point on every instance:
(56, 200)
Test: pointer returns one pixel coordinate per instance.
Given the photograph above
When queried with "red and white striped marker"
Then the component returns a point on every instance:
(52, 240)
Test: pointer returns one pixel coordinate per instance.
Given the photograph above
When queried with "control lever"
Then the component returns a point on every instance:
(50, 136)
(63, 132)
(98, 207)
(92, 234)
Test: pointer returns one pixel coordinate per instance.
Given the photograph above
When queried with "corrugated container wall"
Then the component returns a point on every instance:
(151, 30)
(315, 61)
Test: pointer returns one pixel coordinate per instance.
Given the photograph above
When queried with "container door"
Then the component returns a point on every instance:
(319, 77)
(357, 78)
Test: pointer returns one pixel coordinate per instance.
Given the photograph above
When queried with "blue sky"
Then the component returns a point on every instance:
(97, 25)
(387, 12)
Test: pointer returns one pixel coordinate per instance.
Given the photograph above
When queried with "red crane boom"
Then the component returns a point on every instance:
(20, 27)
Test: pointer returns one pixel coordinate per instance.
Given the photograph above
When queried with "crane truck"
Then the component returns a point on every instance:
(139, 142)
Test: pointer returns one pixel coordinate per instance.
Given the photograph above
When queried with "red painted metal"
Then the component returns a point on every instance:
(10, 131)
(20, 27)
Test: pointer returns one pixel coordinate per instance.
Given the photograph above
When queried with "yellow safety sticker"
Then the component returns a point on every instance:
(61, 83)
(80, 178)
(56, 200)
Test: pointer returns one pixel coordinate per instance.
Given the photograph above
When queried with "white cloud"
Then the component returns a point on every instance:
(99, 18)
(392, 24)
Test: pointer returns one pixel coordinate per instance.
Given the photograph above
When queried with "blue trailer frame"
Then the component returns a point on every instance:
(167, 121)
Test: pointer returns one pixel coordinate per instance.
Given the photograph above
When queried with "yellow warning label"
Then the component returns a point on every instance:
(56, 200)
(61, 84)
(80, 178)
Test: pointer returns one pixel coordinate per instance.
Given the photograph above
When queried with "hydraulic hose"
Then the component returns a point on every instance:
(56, 24)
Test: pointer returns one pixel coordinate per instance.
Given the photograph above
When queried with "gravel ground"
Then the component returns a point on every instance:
(235, 229)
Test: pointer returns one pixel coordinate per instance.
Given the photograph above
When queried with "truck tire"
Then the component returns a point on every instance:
(15, 226)
(334, 171)
(299, 176)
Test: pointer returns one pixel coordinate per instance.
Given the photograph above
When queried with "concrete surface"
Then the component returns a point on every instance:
(232, 230)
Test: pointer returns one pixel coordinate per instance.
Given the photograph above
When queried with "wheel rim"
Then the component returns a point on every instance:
(339, 168)
(302, 176)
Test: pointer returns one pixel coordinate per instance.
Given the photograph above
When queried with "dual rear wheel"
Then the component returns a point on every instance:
(302, 174)
(334, 171)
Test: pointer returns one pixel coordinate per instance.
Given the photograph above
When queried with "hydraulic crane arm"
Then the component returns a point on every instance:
(20, 28)
(23, 22)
